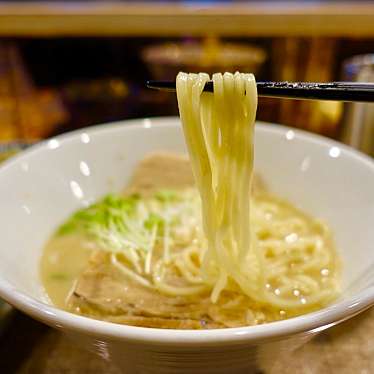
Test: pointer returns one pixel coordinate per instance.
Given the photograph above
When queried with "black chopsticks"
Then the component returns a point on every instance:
(338, 91)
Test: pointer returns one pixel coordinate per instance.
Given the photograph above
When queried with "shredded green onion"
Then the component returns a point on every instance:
(133, 225)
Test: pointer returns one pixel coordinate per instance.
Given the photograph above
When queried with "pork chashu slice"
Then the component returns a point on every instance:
(168, 170)
(103, 292)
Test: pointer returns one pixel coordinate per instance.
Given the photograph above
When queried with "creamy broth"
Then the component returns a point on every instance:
(196, 244)
(79, 276)
(64, 259)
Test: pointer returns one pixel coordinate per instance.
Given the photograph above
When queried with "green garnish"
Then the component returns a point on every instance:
(59, 276)
(125, 224)
(101, 213)
(168, 196)
(153, 220)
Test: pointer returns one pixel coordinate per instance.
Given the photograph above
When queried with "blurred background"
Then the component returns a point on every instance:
(66, 65)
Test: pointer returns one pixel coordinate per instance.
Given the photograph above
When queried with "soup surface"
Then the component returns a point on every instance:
(135, 258)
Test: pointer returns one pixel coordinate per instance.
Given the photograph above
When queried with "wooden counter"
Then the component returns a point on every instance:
(48, 19)
(29, 347)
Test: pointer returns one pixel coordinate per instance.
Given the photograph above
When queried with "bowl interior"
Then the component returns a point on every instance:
(39, 188)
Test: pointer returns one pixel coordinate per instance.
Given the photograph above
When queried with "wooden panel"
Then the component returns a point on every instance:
(160, 19)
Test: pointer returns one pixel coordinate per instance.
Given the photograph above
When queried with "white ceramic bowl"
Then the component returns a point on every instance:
(41, 186)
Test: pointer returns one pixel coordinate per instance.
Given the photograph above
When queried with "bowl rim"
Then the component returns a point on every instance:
(63, 320)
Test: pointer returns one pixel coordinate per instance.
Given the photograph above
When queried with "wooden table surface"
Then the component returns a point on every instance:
(28, 347)
(157, 18)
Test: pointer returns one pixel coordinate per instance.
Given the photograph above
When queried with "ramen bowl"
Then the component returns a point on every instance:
(40, 187)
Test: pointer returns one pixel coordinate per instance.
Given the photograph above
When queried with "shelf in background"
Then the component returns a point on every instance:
(50, 19)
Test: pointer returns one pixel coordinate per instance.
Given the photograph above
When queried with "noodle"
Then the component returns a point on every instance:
(218, 255)
(218, 130)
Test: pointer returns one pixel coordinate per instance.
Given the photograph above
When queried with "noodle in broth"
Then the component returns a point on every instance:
(168, 254)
